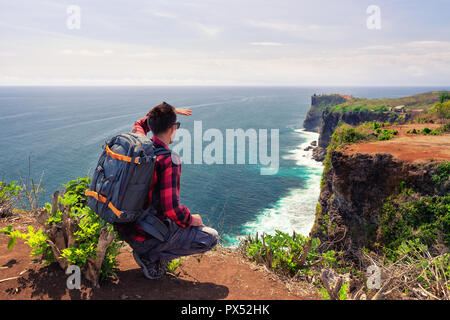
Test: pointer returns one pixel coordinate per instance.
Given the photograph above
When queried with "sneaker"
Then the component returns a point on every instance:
(151, 271)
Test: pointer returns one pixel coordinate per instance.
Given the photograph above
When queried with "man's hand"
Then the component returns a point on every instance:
(184, 112)
(197, 221)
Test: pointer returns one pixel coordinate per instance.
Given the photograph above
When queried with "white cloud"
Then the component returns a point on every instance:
(164, 15)
(210, 31)
(281, 26)
(267, 44)
(86, 53)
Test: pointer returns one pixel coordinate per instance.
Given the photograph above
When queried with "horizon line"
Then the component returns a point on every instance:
(229, 85)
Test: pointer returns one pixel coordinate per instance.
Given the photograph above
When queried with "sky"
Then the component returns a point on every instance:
(227, 42)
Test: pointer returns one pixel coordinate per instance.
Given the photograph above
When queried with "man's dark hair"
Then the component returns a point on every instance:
(161, 118)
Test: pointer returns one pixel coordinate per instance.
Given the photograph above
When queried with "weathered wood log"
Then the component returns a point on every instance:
(331, 283)
(92, 272)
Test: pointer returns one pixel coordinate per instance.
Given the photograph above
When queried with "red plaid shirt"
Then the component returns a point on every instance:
(164, 192)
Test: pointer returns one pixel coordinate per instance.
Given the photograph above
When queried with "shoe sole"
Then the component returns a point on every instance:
(144, 267)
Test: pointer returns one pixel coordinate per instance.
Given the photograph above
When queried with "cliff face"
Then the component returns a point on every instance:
(355, 188)
(313, 120)
(330, 121)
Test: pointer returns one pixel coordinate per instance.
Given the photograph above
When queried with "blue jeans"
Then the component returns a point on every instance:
(181, 242)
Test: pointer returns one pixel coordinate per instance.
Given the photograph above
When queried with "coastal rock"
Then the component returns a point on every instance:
(330, 121)
(354, 189)
(319, 154)
(313, 120)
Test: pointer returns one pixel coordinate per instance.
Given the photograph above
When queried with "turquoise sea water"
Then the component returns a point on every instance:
(62, 130)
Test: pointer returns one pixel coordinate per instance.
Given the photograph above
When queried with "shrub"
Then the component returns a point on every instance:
(82, 231)
(288, 254)
(442, 173)
(408, 216)
(386, 134)
(441, 109)
(414, 273)
(444, 97)
(9, 193)
(346, 134)
(174, 264)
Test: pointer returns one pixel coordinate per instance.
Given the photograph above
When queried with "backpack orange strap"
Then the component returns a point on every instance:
(119, 156)
(101, 198)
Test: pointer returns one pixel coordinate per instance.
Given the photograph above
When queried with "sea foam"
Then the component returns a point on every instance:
(296, 210)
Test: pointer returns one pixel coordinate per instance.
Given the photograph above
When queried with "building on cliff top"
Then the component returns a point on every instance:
(400, 109)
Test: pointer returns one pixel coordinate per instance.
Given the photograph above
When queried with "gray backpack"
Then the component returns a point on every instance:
(121, 183)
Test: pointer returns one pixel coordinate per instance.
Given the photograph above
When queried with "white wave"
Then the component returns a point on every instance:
(206, 104)
(296, 210)
(16, 115)
(106, 135)
(302, 157)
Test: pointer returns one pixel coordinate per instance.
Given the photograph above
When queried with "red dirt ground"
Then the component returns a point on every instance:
(221, 274)
(409, 147)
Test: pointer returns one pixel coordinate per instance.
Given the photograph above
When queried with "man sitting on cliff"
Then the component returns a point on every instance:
(187, 233)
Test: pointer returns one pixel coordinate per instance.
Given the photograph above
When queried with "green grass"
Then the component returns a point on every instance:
(286, 254)
(410, 216)
(346, 134)
(441, 110)
(442, 173)
(427, 131)
(423, 101)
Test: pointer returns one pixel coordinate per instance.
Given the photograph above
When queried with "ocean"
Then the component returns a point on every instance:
(59, 131)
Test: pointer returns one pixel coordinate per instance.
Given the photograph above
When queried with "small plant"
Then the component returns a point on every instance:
(386, 134)
(30, 190)
(441, 110)
(414, 272)
(9, 193)
(286, 254)
(173, 265)
(444, 97)
(343, 292)
(442, 173)
(72, 234)
(408, 216)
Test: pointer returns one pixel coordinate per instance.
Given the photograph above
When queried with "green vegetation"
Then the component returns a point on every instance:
(321, 102)
(360, 105)
(441, 110)
(173, 265)
(346, 134)
(290, 255)
(423, 101)
(9, 193)
(343, 292)
(427, 131)
(444, 97)
(414, 272)
(409, 217)
(442, 173)
(86, 235)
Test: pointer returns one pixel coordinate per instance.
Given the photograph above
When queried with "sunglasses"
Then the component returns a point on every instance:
(177, 124)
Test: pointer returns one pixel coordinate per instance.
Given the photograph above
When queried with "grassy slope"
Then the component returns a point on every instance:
(419, 101)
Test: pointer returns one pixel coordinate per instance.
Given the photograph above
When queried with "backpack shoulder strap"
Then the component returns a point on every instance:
(161, 150)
